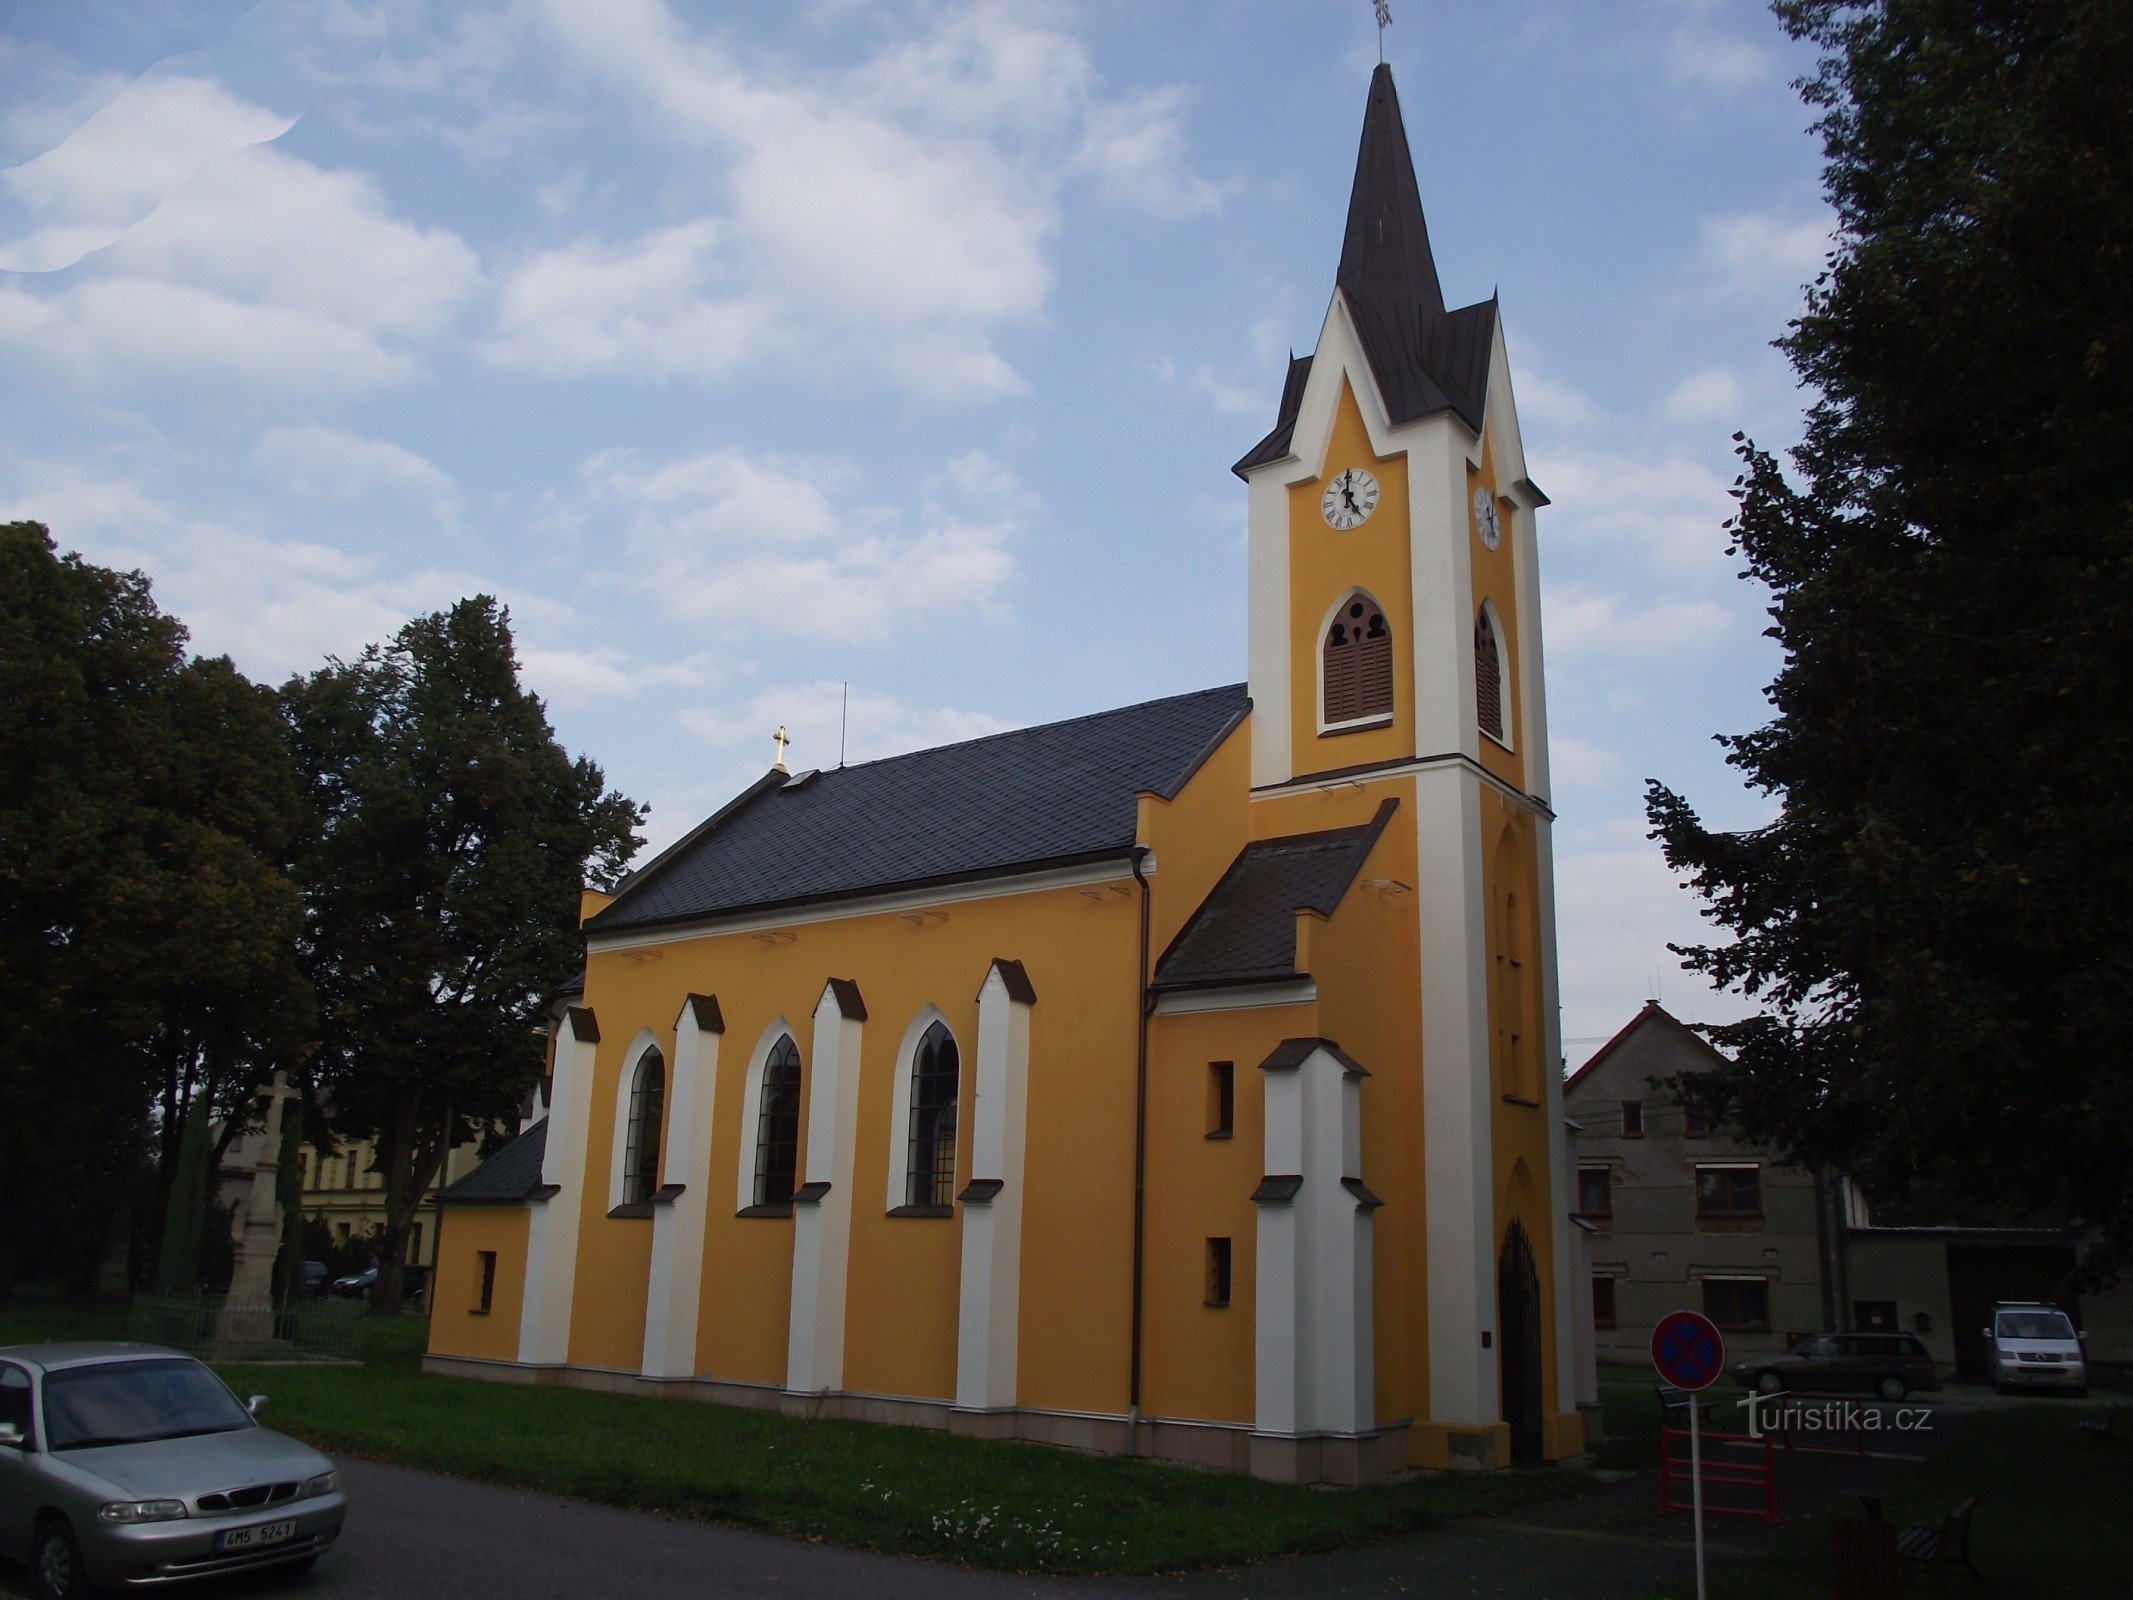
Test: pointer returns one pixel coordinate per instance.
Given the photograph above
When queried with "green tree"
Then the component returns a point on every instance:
(451, 836)
(1937, 922)
(147, 932)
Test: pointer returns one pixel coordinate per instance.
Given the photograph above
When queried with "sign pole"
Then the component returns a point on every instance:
(1690, 1353)
(1696, 1487)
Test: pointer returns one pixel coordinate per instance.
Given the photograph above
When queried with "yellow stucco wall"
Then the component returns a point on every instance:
(1495, 581)
(1324, 565)
(458, 1327)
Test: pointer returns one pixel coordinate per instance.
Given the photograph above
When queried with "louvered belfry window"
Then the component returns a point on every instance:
(1358, 663)
(1488, 676)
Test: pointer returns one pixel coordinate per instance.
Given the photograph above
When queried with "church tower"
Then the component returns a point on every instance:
(1395, 645)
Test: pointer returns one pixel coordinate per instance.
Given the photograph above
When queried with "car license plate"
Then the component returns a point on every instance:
(253, 1538)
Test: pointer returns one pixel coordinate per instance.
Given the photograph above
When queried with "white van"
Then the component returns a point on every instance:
(2033, 1343)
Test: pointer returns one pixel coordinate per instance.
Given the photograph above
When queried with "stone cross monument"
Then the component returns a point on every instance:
(248, 1312)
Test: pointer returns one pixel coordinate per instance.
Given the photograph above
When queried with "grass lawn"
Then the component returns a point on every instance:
(2051, 1520)
(911, 1491)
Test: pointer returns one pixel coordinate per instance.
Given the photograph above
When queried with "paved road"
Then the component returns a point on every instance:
(415, 1536)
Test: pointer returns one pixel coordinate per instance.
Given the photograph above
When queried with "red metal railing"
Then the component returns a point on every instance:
(1738, 1463)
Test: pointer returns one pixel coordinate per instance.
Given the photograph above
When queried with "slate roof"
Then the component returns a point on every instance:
(1053, 795)
(511, 1174)
(1245, 930)
(1425, 358)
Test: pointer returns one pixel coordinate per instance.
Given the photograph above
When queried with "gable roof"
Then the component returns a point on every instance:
(1245, 930)
(510, 1174)
(1425, 358)
(1652, 1014)
(1054, 795)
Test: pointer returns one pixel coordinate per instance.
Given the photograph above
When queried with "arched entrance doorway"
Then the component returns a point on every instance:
(1518, 1324)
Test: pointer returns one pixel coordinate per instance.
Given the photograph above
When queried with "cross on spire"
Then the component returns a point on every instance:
(1384, 12)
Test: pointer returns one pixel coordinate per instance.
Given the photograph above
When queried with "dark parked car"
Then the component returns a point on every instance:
(312, 1279)
(356, 1284)
(1890, 1365)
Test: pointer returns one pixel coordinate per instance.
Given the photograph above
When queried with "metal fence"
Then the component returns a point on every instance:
(212, 1326)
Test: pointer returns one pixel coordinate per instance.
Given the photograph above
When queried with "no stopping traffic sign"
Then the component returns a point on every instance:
(1688, 1350)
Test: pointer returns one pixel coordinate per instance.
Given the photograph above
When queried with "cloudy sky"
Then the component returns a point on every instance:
(747, 351)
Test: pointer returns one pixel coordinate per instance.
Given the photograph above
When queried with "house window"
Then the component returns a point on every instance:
(1633, 1119)
(1695, 1119)
(1357, 660)
(777, 1127)
(1221, 1099)
(640, 1161)
(1729, 1194)
(936, 1075)
(1218, 1272)
(486, 1296)
(1603, 1302)
(414, 1244)
(1738, 1305)
(1596, 1195)
(1488, 676)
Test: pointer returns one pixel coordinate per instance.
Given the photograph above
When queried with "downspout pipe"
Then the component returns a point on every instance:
(1145, 1006)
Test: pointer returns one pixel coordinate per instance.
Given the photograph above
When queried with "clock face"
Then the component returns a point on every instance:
(1349, 498)
(1485, 522)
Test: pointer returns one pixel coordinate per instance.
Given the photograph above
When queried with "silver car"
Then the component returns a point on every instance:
(133, 1466)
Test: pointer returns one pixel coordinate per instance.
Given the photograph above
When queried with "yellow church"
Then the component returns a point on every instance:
(1177, 1080)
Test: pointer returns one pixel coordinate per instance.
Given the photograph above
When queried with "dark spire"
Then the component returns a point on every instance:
(1425, 359)
(1385, 259)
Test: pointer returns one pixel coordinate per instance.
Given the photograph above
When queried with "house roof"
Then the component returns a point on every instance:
(1426, 359)
(1245, 930)
(1652, 1012)
(510, 1174)
(1013, 802)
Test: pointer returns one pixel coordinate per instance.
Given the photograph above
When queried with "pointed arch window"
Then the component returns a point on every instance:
(777, 1128)
(936, 1080)
(1357, 661)
(640, 1160)
(1488, 676)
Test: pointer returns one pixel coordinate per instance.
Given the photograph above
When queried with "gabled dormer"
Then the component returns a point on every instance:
(1393, 587)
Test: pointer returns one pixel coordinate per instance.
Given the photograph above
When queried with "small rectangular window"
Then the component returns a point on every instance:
(1221, 1099)
(1603, 1302)
(488, 1279)
(1218, 1272)
(1633, 1119)
(1695, 1120)
(1738, 1305)
(1596, 1195)
(1729, 1194)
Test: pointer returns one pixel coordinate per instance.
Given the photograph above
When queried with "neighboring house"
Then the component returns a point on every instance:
(1681, 1216)
(1175, 1079)
(1684, 1217)
(341, 1191)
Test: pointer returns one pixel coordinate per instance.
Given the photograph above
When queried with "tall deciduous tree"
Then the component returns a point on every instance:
(451, 838)
(147, 933)
(1938, 921)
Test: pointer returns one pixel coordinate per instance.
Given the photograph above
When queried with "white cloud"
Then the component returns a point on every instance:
(1575, 764)
(1582, 623)
(1617, 909)
(1702, 58)
(274, 606)
(640, 306)
(259, 267)
(877, 724)
(1712, 398)
(1669, 508)
(574, 678)
(120, 164)
(1761, 256)
(1136, 150)
(729, 540)
(333, 464)
(898, 213)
